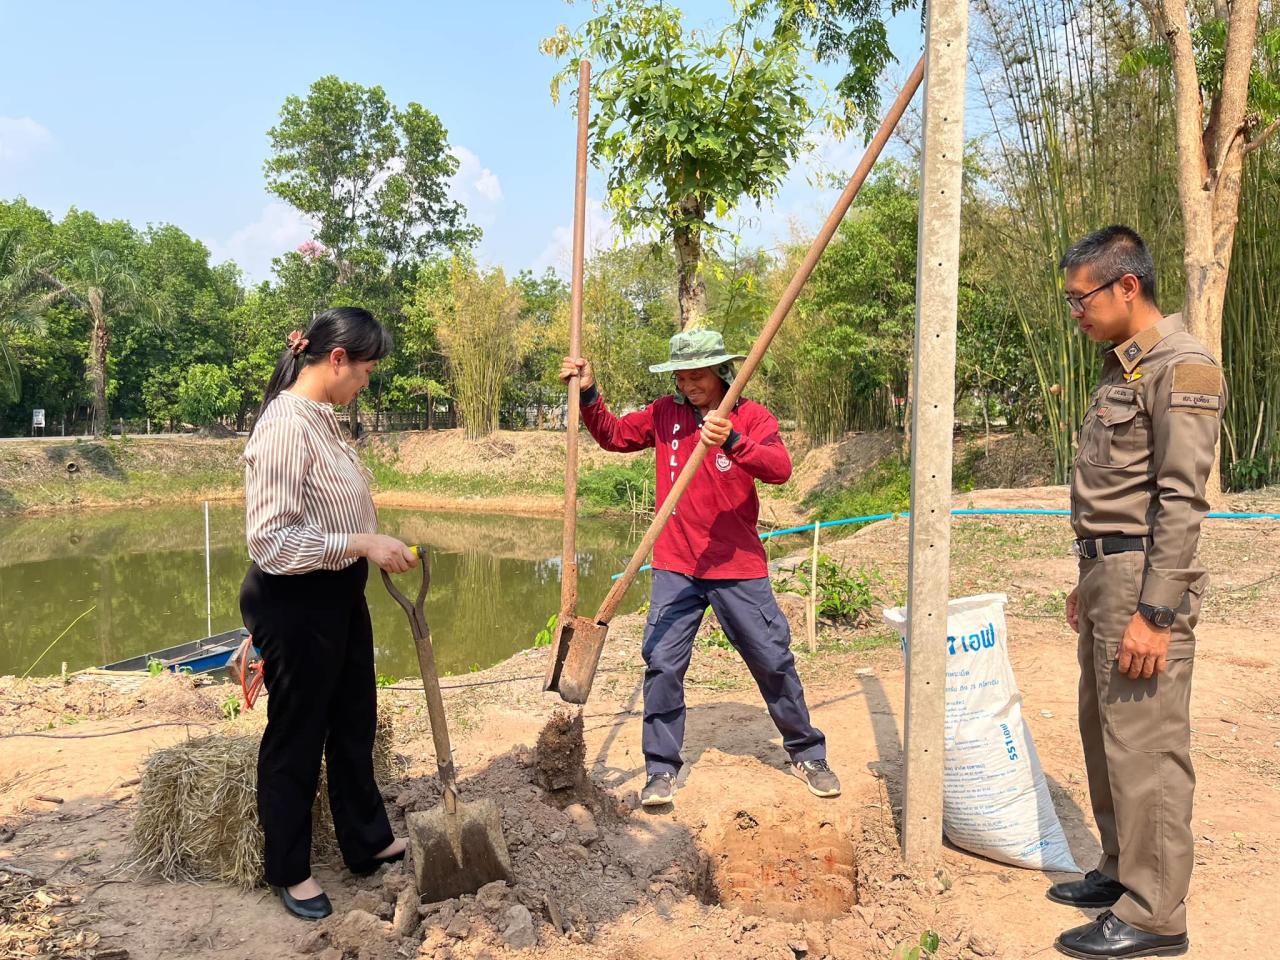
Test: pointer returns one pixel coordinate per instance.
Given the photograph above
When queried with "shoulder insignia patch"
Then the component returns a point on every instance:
(1197, 388)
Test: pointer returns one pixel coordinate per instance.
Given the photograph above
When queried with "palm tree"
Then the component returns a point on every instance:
(21, 302)
(103, 286)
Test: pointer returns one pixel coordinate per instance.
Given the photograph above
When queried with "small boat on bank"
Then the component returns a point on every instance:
(194, 656)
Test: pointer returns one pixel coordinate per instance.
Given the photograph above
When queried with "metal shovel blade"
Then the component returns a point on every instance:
(457, 853)
(584, 642)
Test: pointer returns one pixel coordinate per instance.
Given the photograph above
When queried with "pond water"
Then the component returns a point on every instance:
(494, 582)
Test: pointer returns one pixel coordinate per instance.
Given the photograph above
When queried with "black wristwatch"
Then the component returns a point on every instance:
(1159, 617)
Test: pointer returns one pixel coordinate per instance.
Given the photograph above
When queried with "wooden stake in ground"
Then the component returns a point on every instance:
(812, 607)
(932, 418)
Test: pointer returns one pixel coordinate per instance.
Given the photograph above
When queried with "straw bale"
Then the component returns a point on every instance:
(197, 814)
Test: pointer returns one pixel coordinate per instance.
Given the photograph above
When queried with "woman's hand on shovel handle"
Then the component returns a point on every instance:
(581, 367)
(386, 552)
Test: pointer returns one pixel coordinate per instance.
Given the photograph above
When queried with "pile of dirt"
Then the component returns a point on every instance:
(836, 466)
(596, 876)
(560, 751)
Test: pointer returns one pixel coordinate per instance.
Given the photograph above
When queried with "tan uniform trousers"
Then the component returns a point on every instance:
(1137, 746)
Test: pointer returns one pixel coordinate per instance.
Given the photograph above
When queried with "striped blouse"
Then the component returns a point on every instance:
(305, 489)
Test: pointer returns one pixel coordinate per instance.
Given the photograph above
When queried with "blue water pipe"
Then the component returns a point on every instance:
(986, 512)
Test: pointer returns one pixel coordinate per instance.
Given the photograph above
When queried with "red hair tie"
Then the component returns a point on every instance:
(297, 343)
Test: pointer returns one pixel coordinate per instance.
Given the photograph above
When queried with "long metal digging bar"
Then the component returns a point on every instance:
(569, 550)
(579, 667)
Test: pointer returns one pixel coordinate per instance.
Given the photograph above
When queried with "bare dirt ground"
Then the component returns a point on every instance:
(747, 864)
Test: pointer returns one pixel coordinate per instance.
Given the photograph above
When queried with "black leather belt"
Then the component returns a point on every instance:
(1101, 546)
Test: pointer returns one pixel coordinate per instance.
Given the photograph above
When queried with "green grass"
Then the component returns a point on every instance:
(885, 488)
(389, 477)
(863, 642)
(614, 486)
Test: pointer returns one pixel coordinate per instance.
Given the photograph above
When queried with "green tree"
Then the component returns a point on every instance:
(373, 177)
(688, 124)
(544, 298)
(629, 313)
(1226, 104)
(101, 286)
(198, 298)
(23, 292)
(476, 317)
(205, 394)
(846, 356)
(852, 32)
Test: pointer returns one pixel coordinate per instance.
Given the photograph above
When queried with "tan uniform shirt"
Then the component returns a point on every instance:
(1145, 450)
(305, 489)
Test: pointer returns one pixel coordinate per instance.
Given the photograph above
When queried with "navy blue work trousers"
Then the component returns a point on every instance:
(753, 623)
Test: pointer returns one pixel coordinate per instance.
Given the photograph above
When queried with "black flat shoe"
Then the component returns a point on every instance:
(313, 908)
(1095, 890)
(1110, 937)
(366, 867)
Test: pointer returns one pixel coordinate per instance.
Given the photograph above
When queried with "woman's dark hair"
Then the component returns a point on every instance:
(352, 328)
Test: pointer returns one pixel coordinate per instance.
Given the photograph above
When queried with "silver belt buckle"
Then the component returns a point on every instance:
(1076, 551)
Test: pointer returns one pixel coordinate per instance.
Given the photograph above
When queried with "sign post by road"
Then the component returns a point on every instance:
(37, 422)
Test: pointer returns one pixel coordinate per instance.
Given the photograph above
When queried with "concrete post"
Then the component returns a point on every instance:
(932, 419)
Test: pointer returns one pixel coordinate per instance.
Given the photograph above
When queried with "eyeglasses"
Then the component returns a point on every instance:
(1077, 303)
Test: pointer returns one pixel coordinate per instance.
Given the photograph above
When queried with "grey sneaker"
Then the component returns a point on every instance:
(822, 782)
(659, 791)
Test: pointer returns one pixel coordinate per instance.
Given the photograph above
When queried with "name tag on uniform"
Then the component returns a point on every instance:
(1197, 401)
(1122, 394)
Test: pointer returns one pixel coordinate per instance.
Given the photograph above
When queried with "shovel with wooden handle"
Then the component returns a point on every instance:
(568, 620)
(577, 667)
(457, 847)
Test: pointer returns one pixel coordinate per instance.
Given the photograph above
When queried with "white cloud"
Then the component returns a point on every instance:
(600, 233)
(278, 229)
(22, 138)
(476, 187)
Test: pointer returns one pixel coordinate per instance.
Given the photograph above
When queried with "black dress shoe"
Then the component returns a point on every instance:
(312, 908)
(366, 867)
(1109, 937)
(1095, 890)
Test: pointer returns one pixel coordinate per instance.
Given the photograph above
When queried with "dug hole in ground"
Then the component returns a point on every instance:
(748, 863)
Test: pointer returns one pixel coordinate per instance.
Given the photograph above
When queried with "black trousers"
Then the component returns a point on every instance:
(317, 648)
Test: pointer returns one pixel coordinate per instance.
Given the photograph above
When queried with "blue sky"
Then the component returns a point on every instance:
(158, 113)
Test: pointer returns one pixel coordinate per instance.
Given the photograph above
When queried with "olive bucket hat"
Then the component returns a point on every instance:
(694, 349)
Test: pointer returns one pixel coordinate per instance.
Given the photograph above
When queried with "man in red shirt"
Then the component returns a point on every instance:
(709, 554)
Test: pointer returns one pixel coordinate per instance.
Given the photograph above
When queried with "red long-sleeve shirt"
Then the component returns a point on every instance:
(713, 532)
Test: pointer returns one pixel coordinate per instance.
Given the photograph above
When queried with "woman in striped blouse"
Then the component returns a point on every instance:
(312, 532)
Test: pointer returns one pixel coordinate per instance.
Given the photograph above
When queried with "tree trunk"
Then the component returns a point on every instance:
(691, 291)
(1210, 160)
(100, 343)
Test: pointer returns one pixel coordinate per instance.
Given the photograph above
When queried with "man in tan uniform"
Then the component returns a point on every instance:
(1137, 499)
